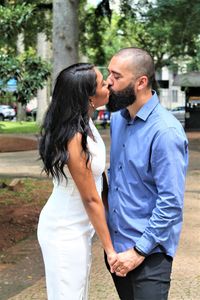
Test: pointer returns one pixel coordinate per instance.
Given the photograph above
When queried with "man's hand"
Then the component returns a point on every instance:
(126, 262)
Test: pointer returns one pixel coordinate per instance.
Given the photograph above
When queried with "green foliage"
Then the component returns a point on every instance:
(101, 36)
(9, 68)
(25, 17)
(175, 25)
(13, 20)
(92, 25)
(19, 127)
(7, 98)
(34, 73)
(40, 21)
(169, 30)
(29, 70)
(194, 63)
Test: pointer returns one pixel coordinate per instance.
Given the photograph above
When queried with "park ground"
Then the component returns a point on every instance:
(21, 268)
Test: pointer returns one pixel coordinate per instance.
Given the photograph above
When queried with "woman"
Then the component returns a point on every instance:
(70, 144)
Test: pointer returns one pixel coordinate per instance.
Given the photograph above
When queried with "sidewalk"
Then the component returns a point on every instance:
(27, 274)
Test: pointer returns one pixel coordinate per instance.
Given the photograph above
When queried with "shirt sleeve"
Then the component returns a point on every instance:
(169, 160)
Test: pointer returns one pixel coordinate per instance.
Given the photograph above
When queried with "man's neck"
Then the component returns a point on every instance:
(140, 101)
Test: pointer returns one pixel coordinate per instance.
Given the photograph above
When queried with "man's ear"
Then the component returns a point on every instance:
(142, 82)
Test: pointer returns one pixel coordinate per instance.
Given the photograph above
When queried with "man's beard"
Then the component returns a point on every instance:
(121, 99)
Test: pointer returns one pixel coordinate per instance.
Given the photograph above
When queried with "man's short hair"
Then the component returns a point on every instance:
(142, 62)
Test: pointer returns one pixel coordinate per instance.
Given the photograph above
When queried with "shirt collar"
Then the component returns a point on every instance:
(148, 107)
(145, 110)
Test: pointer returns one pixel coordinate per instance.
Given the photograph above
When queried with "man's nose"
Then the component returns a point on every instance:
(109, 80)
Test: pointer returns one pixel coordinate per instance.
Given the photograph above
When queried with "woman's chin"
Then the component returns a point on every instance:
(106, 101)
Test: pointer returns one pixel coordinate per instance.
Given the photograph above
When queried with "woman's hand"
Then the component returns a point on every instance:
(112, 259)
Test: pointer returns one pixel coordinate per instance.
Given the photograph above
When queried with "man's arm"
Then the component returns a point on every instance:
(169, 164)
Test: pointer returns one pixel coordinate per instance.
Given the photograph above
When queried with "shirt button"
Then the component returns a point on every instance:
(116, 188)
(114, 210)
(120, 167)
(116, 231)
(123, 145)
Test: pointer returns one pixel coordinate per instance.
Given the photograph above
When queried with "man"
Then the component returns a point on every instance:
(148, 162)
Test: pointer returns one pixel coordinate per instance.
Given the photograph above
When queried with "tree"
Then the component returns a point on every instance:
(65, 34)
(17, 16)
(43, 98)
(175, 26)
(169, 30)
(13, 20)
(29, 71)
(94, 23)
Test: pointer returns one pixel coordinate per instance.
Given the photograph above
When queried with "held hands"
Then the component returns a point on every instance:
(112, 257)
(125, 262)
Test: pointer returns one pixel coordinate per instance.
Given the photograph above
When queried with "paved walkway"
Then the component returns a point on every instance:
(186, 269)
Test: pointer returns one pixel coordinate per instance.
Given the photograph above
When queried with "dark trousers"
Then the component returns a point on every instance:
(149, 281)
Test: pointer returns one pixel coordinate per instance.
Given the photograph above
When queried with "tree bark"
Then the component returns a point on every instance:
(65, 34)
(20, 43)
(42, 94)
(21, 113)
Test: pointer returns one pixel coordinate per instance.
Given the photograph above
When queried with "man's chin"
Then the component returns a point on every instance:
(119, 103)
(112, 107)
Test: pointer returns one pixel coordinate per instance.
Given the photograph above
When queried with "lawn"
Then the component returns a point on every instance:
(19, 127)
(24, 127)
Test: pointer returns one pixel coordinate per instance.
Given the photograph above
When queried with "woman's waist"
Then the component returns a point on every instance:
(63, 229)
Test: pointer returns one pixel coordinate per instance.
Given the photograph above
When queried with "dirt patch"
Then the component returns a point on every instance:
(19, 211)
(16, 224)
(13, 144)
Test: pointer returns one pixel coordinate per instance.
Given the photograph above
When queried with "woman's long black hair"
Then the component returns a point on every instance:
(67, 115)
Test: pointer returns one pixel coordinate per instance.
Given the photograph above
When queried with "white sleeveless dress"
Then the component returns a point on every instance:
(65, 232)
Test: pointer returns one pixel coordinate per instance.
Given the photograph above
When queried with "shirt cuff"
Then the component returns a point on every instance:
(146, 245)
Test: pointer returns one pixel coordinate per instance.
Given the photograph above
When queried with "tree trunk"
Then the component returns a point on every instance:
(65, 34)
(20, 43)
(42, 94)
(21, 113)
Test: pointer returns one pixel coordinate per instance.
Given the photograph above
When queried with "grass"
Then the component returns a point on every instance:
(25, 127)
(32, 191)
(19, 127)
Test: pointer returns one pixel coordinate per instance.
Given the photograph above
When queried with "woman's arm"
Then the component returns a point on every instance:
(83, 177)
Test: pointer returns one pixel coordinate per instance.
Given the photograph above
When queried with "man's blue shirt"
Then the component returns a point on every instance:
(148, 163)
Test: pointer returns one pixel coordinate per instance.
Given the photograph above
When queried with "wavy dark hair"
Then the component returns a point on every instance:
(67, 115)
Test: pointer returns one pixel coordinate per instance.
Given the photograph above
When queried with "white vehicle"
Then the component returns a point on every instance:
(6, 112)
(179, 113)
